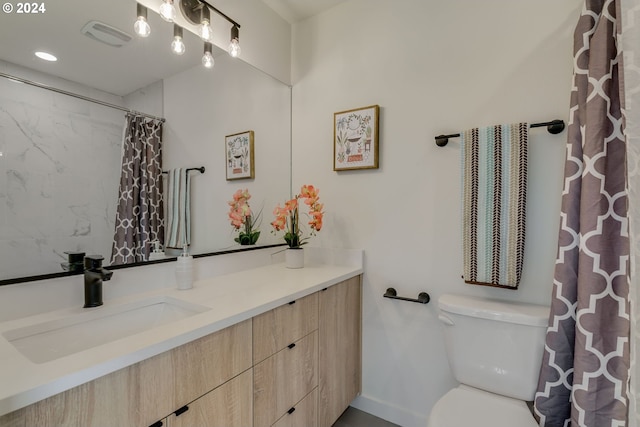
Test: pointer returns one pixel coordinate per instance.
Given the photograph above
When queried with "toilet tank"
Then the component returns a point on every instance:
(494, 345)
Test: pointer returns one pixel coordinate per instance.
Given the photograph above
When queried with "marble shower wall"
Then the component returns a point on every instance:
(50, 145)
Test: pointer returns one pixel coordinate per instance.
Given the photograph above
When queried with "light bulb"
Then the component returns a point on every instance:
(205, 31)
(141, 27)
(177, 46)
(167, 11)
(234, 48)
(207, 60)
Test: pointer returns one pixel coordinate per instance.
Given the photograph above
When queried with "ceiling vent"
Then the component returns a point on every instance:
(106, 34)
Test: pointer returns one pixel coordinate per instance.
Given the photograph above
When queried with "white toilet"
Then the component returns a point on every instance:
(495, 350)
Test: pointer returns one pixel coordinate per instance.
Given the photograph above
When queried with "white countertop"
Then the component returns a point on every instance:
(231, 298)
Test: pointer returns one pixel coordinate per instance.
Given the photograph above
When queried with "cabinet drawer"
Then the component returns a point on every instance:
(227, 406)
(277, 328)
(305, 413)
(177, 377)
(285, 378)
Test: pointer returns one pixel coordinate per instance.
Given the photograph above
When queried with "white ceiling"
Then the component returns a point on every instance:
(298, 10)
(116, 70)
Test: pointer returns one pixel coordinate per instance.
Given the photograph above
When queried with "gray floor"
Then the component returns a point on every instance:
(353, 417)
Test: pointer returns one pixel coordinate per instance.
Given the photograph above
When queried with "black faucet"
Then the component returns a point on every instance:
(94, 274)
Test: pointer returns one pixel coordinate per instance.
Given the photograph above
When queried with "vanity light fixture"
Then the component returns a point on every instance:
(207, 58)
(198, 13)
(168, 11)
(141, 27)
(234, 45)
(177, 45)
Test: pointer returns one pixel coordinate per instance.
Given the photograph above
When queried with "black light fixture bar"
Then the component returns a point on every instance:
(216, 10)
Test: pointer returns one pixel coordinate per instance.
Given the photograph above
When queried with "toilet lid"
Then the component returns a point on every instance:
(466, 406)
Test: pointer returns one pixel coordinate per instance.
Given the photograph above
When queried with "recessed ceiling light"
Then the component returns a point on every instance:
(46, 56)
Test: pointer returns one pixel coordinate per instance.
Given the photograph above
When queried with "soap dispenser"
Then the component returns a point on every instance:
(184, 270)
(157, 252)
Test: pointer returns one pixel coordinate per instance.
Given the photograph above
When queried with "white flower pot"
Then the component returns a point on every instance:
(294, 258)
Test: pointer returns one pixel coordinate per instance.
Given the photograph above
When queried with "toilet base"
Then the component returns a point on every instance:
(469, 406)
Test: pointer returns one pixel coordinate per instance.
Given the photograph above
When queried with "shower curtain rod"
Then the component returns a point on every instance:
(75, 95)
(553, 127)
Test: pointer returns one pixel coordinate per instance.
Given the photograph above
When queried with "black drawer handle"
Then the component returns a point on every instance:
(181, 411)
(291, 411)
(157, 424)
(292, 302)
(291, 345)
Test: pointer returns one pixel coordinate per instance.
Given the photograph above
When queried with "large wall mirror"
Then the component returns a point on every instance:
(60, 155)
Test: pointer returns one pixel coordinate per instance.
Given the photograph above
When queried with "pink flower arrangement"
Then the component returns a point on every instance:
(287, 217)
(241, 216)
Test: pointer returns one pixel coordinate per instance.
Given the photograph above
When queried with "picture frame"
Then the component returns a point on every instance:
(239, 156)
(355, 139)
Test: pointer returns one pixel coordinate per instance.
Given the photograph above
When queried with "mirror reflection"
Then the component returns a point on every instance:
(61, 155)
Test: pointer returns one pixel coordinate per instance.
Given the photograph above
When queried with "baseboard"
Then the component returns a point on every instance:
(389, 412)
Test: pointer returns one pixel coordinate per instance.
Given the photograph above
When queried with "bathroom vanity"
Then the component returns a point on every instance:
(271, 347)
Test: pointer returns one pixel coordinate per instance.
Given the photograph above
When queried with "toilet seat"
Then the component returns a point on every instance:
(467, 406)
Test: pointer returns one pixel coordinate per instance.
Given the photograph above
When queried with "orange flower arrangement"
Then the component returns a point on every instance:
(240, 215)
(287, 217)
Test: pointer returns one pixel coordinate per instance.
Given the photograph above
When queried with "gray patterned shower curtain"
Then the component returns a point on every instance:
(585, 370)
(140, 214)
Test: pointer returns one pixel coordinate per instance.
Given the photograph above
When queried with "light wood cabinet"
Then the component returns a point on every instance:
(109, 400)
(296, 365)
(303, 414)
(145, 392)
(177, 377)
(226, 406)
(277, 328)
(340, 349)
(283, 379)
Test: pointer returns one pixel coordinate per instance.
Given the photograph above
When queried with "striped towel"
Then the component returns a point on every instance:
(178, 209)
(494, 190)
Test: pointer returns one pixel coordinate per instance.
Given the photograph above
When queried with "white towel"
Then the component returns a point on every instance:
(178, 209)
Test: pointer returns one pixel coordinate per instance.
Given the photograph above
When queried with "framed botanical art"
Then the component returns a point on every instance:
(355, 139)
(239, 155)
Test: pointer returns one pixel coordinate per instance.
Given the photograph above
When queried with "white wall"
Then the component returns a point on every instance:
(433, 67)
(265, 37)
(202, 107)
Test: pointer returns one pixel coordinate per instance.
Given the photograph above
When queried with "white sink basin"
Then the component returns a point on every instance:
(46, 341)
